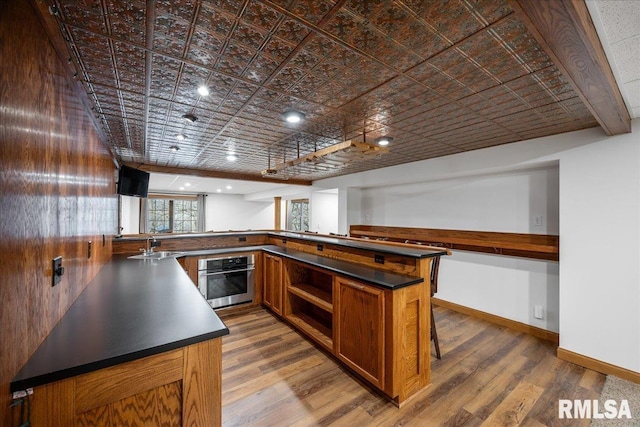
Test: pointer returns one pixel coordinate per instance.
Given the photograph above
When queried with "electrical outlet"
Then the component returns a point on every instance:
(22, 393)
(537, 220)
(538, 311)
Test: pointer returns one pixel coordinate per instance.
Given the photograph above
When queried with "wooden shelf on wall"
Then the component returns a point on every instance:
(536, 246)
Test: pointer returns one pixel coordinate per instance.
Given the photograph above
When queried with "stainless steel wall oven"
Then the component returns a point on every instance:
(226, 281)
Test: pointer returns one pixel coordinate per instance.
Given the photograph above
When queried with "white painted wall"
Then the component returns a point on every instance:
(232, 212)
(508, 202)
(598, 223)
(349, 208)
(130, 215)
(600, 250)
(323, 212)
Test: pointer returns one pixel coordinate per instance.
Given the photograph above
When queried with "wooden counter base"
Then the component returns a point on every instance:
(179, 387)
(381, 334)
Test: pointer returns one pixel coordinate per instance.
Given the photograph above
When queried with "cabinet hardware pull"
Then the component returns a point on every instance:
(353, 285)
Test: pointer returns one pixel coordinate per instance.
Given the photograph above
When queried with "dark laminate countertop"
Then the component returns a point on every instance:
(383, 279)
(132, 309)
(362, 244)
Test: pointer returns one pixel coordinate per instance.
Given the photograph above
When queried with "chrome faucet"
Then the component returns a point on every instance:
(151, 243)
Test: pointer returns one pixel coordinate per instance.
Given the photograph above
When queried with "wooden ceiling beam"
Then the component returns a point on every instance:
(565, 31)
(215, 174)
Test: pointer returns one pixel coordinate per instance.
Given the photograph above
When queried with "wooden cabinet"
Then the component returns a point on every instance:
(181, 387)
(309, 301)
(273, 283)
(381, 334)
(360, 323)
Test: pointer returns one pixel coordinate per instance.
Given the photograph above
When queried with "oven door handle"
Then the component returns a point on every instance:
(202, 272)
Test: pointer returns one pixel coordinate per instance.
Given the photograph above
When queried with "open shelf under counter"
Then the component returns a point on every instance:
(314, 295)
(316, 327)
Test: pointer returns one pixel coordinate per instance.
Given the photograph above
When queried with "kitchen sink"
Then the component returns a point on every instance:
(158, 255)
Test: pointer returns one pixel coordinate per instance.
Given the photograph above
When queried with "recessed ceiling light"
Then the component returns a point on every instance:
(218, 190)
(174, 148)
(181, 188)
(180, 137)
(293, 116)
(229, 187)
(384, 140)
(232, 157)
(203, 90)
(190, 118)
(187, 184)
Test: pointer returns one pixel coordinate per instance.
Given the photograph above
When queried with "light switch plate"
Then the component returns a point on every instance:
(57, 270)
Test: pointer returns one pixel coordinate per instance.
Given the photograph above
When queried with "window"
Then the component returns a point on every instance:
(165, 215)
(185, 216)
(298, 215)
(158, 214)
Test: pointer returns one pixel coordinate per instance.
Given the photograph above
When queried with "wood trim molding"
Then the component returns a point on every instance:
(277, 219)
(598, 365)
(566, 33)
(172, 196)
(502, 321)
(534, 246)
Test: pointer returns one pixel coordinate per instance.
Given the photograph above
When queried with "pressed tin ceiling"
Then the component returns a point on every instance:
(440, 77)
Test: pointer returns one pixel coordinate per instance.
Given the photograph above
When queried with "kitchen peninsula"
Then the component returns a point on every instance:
(365, 302)
(142, 344)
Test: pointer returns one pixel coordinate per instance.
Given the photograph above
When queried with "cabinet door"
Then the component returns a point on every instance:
(360, 323)
(273, 283)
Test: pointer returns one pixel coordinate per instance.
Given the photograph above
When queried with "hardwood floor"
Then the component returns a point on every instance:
(488, 375)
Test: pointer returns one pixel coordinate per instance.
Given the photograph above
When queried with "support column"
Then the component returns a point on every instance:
(277, 203)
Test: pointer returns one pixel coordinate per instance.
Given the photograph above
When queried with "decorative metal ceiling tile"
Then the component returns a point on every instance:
(442, 77)
(259, 15)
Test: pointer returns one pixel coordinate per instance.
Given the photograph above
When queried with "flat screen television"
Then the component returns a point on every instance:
(133, 182)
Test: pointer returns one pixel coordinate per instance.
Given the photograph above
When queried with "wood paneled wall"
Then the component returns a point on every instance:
(57, 191)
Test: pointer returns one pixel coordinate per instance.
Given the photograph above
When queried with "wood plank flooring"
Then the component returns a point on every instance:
(488, 376)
